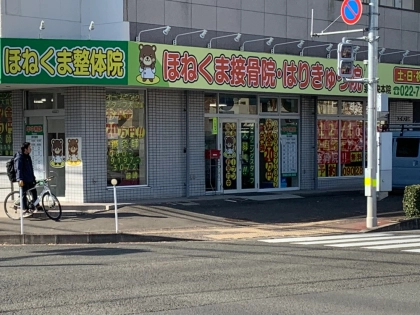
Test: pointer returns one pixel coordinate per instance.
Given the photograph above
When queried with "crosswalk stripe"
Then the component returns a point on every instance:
(394, 240)
(352, 240)
(406, 244)
(330, 237)
(411, 250)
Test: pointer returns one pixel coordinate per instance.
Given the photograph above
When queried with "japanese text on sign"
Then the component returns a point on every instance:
(255, 72)
(80, 62)
(6, 148)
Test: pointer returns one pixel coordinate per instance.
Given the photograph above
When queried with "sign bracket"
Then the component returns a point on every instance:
(323, 33)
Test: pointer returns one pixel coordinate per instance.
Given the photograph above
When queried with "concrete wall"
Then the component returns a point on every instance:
(285, 20)
(67, 19)
(21, 18)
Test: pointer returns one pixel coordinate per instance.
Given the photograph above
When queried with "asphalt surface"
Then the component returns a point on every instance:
(243, 277)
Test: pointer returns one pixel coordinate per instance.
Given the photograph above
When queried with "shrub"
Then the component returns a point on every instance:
(411, 201)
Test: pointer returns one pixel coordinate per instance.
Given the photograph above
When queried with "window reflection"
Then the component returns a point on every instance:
(237, 104)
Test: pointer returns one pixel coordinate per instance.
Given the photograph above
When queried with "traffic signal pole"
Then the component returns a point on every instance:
(370, 172)
(370, 180)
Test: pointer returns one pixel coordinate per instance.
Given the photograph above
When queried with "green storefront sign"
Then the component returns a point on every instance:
(42, 61)
(39, 61)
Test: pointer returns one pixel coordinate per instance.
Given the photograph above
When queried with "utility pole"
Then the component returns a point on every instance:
(371, 171)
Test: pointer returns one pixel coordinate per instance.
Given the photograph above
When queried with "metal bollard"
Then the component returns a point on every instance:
(114, 183)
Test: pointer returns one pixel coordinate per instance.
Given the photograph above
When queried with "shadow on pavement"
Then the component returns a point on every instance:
(311, 208)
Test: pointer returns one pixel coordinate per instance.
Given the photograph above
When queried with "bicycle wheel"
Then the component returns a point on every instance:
(12, 206)
(52, 207)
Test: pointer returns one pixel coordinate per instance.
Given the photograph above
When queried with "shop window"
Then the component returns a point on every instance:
(269, 153)
(352, 108)
(328, 145)
(40, 100)
(327, 108)
(407, 147)
(210, 103)
(340, 143)
(6, 144)
(289, 105)
(126, 134)
(60, 101)
(237, 104)
(268, 105)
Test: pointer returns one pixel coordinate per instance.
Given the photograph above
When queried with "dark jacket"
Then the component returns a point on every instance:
(24, 168)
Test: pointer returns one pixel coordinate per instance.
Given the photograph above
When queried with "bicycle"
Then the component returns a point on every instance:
(47, 198)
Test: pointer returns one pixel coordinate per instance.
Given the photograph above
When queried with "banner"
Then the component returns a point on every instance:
(155, 65)
(34, 61)
(80, 62)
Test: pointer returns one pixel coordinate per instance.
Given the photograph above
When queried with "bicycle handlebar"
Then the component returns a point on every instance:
(48, 179)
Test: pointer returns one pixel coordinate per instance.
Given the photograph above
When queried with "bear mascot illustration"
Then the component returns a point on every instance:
(147, 60)
(57, 151)
(73, 158)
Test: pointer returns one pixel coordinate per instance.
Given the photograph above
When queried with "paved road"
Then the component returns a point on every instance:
(244, 277)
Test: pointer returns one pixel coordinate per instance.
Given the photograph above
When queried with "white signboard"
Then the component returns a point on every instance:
(289, 154)
(35, 136)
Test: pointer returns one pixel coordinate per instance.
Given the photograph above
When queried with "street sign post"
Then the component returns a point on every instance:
(351, 11)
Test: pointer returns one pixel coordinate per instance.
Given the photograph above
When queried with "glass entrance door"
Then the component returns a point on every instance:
(56, 152)
(238, 140)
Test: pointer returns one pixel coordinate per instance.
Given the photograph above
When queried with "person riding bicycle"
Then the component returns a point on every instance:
(25, 174)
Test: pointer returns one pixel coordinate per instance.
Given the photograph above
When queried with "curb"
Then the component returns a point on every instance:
(404, 225)
(64, 239)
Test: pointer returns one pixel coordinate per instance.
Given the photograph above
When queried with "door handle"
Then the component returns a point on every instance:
(415, 163)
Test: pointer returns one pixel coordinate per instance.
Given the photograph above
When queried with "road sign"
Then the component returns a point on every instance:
(351, 11)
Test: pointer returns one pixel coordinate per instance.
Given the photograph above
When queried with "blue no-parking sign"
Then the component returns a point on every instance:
(351, 11)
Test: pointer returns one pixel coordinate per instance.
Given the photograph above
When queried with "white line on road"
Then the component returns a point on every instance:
(353, 240)
(406, 244)
(315, 238)
(394, 240)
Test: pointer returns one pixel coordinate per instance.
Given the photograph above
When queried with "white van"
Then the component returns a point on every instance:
(405, 155)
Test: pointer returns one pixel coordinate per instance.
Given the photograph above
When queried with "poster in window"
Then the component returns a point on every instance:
(74, 151)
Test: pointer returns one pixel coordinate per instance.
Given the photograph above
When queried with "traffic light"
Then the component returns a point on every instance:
(345, 59)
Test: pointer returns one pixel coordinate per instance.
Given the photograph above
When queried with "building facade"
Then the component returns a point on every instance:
(196, 109)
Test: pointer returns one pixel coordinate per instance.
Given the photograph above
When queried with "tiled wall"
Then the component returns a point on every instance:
(196, 143)
(17, 119)
(85, 118)
(308, 144)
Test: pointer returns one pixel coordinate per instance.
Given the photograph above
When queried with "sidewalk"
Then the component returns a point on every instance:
(221, 218)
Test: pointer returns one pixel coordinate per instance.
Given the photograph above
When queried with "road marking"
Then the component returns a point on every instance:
(394, 240)
(354, 240)
(316, 238)
(406, 244)
(411, 250)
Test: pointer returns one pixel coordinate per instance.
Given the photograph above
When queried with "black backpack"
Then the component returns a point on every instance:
(10, 169)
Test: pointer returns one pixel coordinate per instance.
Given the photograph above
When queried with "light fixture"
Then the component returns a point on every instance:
(166, 30)
(405, 55)
(404, 52)
(299, 45)
(91, 27)
(236, 39)
(203, 34)
(41, 28)
(328, 48)
(329, 53)
(269, 42)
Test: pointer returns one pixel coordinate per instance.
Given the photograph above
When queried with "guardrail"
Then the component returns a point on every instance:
(11, 183)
